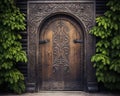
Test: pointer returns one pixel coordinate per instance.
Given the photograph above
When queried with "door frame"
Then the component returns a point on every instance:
(38, 13)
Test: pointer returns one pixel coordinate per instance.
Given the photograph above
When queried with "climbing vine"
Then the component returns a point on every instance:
(11, 21)
(107, 57)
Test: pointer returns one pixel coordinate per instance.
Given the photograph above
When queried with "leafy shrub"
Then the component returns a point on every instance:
(11, 21)
(107, 57)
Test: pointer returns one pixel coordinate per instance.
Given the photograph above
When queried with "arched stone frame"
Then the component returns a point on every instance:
(83, 12)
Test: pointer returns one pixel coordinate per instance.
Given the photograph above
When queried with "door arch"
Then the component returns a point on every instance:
(61, 54)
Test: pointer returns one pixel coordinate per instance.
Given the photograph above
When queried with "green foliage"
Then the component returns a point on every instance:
(107, 57)
(11, 21)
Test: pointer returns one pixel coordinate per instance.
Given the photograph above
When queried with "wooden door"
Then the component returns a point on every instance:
(61, 54)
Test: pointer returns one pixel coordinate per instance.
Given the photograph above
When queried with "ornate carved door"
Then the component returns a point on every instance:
(61, 54)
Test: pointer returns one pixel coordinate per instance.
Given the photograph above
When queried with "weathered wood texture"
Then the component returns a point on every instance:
(61, 56)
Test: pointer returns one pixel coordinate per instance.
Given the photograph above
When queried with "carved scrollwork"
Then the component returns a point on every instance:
(83, 11)
(61, 45)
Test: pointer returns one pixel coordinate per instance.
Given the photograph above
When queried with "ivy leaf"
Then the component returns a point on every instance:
(11, 22)
(107, 57)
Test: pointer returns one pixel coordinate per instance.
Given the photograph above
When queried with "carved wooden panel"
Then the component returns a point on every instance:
(61, 69)
(61, 45)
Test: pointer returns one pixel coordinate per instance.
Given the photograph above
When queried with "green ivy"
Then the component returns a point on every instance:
(107, 57)
(11, 21)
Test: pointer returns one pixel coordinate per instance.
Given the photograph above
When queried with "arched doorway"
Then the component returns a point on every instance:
(43, 51)
(61, 54)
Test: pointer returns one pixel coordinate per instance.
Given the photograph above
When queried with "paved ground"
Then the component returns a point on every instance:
(65, 93)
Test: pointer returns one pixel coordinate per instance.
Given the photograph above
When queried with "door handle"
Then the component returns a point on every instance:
(78, 41)
(43, 41)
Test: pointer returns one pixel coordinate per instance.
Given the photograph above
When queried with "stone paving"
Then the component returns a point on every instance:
(65, 93)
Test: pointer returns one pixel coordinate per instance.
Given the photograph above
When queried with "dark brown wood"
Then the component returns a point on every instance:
(61, 68)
